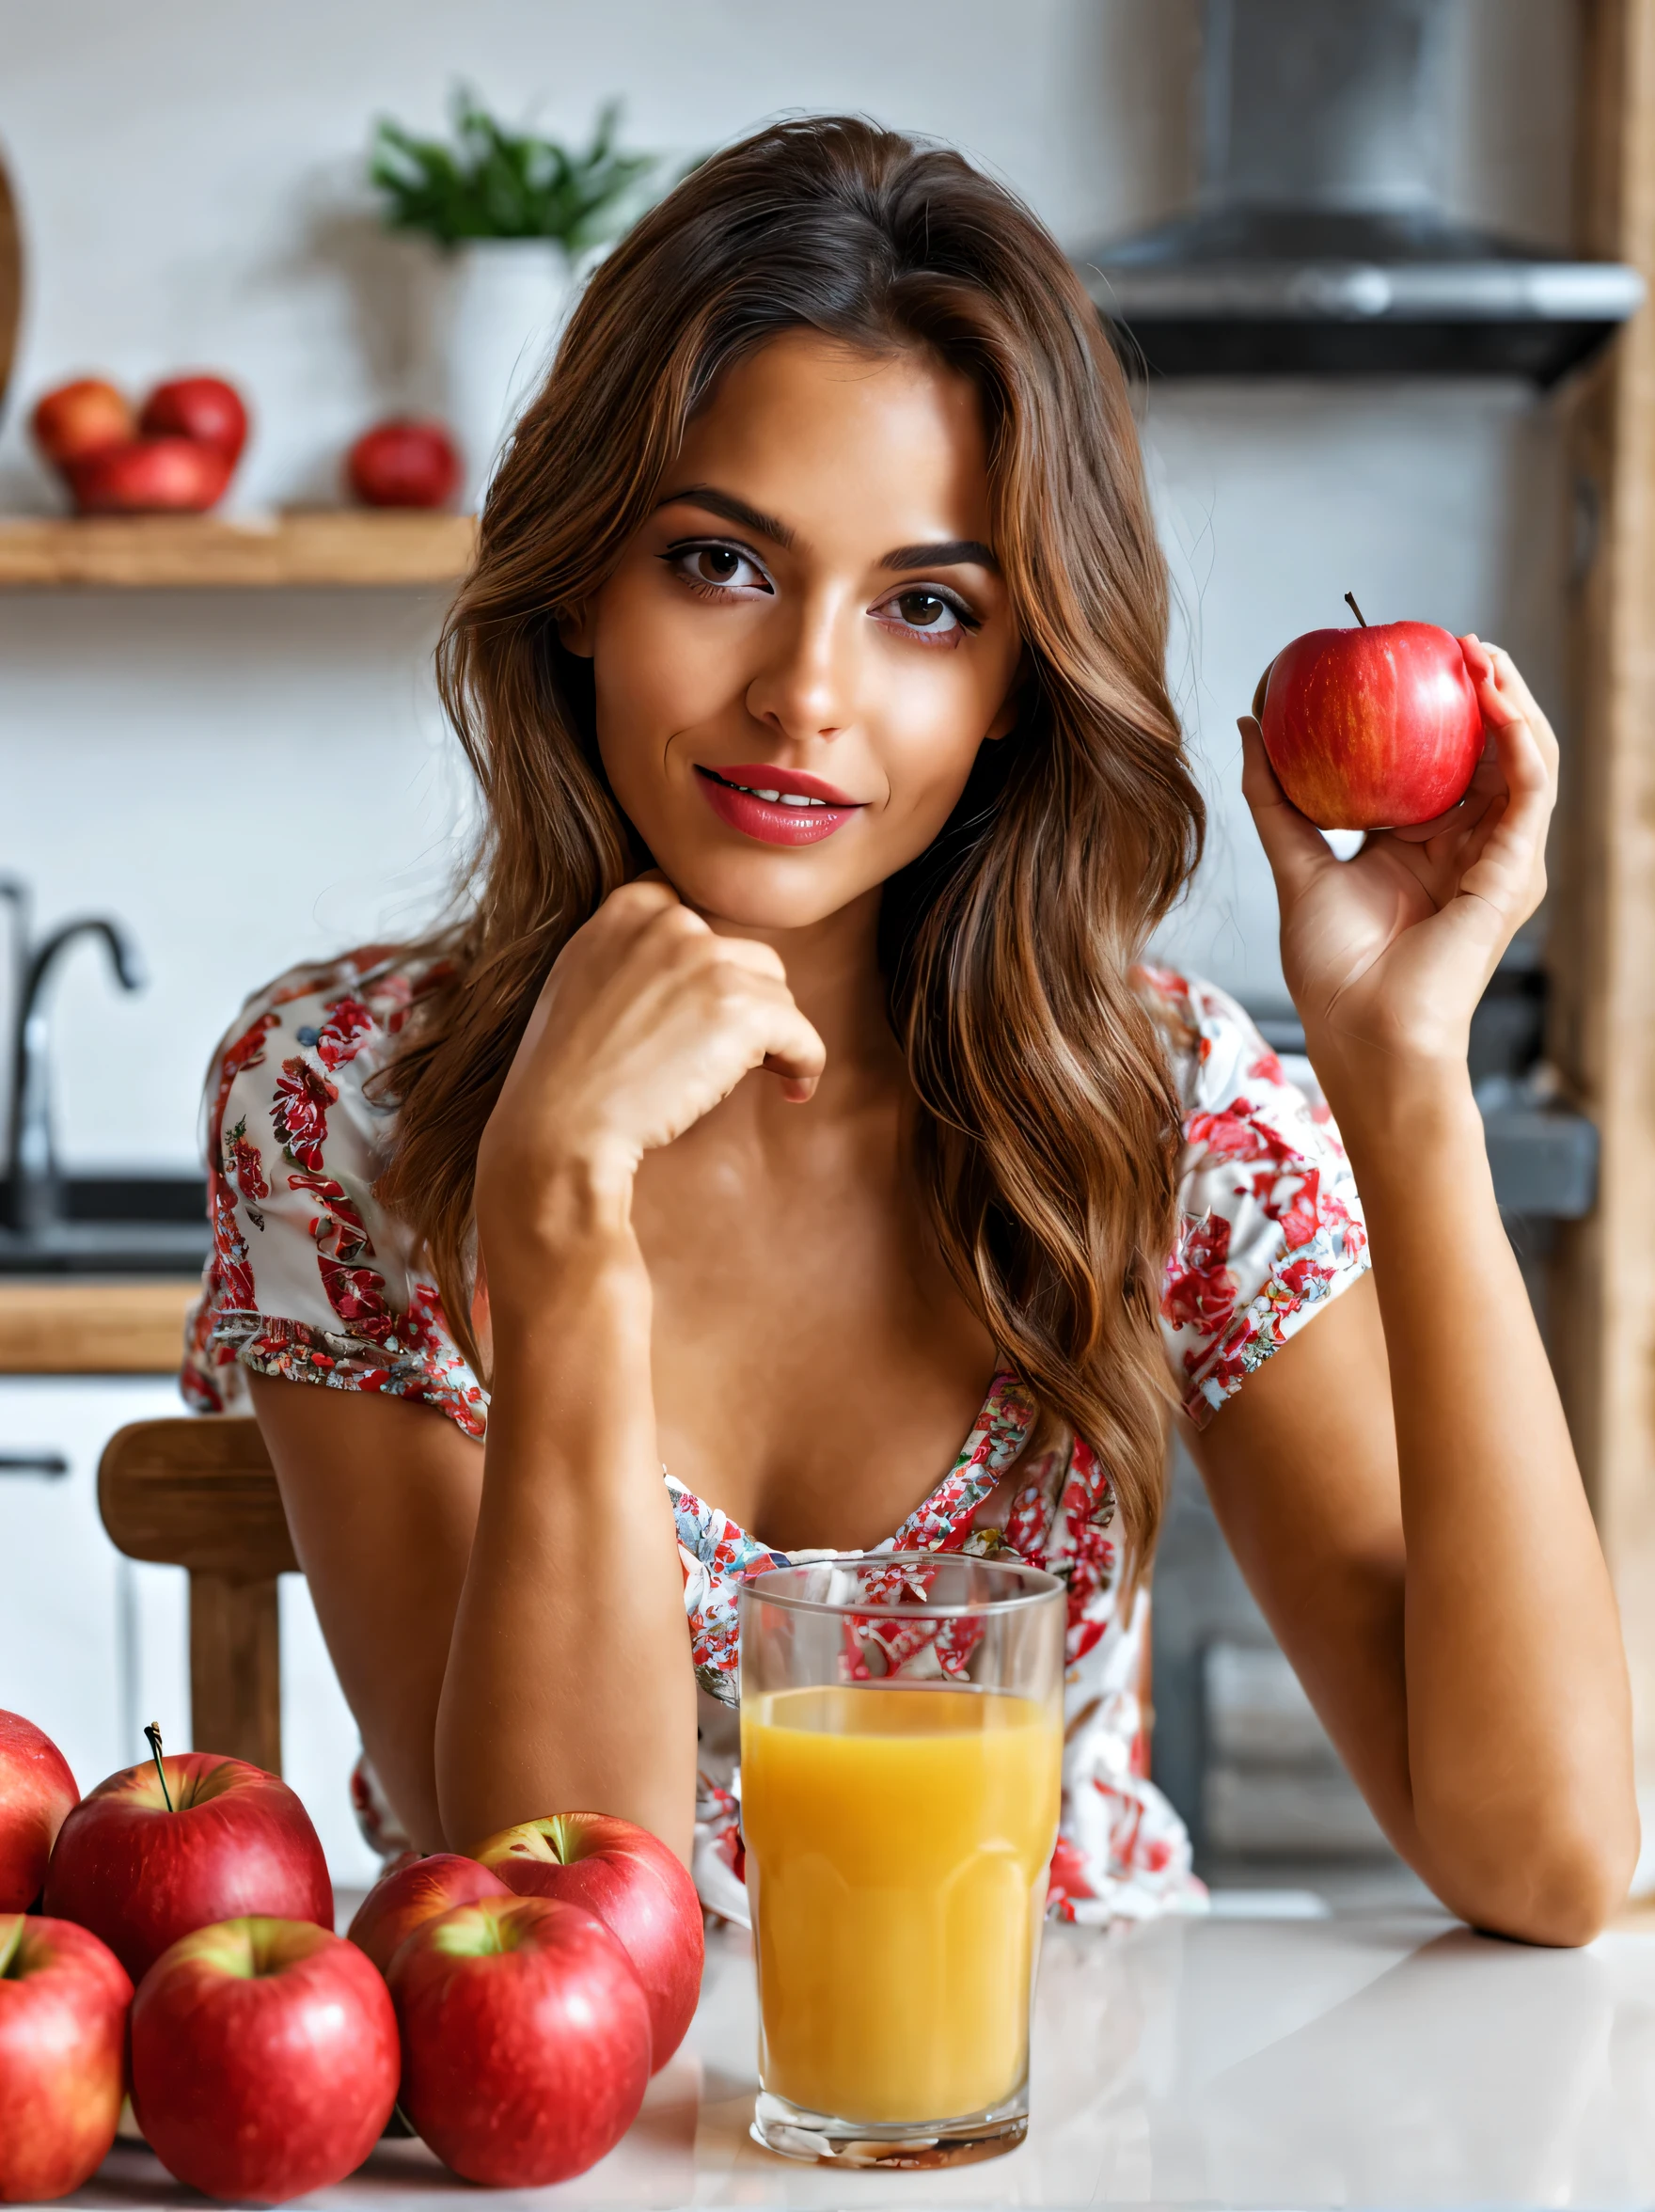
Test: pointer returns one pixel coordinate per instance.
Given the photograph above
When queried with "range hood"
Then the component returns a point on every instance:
(1318, 245)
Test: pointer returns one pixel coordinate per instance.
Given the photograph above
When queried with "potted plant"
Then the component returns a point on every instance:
(513, 216)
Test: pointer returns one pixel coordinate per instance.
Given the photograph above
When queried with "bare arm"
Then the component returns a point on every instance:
(382, 1500)
(1398, 1483)
(509, 1623)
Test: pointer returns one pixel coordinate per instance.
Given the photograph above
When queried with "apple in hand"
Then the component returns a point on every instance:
(1371, 729)
(149, 476)
(264, 2059)
(403, 464)
(397, 1904)
(79, 418)
(526, 2039)
(638, 1888)
(63, 1999)
(204, 408)
(37, 1791)
(236, 1841)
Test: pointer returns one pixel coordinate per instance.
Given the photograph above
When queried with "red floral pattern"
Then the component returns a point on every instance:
(296, 1286)
(1272, 1223)
(311, 1278)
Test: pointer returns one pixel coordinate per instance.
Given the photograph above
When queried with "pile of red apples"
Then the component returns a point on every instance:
(176, 454)
(169, 1938)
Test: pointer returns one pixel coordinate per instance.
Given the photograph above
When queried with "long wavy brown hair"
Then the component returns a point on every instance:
(1048, 1122)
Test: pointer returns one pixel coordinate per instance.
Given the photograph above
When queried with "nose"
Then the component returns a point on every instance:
(807, 686)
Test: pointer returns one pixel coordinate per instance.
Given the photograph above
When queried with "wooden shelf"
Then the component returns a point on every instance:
(356, 550)
(50, 1327)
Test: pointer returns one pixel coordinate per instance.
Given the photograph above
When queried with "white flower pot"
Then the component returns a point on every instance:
(501, 308)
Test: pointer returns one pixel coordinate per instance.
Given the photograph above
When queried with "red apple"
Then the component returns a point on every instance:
(403, 464)
(36, 1790)
(80, 418)
(236, 1842)
(204, 408)
(397, 1904)
(526, 2039)
(63, 1999)
(149, 476)
(638, 1887)
(264, 2059)
(1371, 729)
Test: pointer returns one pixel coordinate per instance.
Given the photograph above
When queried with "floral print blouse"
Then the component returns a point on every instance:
(312, 1279)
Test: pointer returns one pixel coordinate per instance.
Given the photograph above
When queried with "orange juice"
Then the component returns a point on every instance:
(897, 1845)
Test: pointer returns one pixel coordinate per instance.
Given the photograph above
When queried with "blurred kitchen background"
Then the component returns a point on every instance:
(246, 777)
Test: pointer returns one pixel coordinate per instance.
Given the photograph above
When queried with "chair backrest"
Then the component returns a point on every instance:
(200, 1492)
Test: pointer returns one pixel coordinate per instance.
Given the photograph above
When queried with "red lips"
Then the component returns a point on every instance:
(754, 798)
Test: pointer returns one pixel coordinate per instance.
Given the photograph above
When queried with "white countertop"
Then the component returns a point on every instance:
(1381, 2059)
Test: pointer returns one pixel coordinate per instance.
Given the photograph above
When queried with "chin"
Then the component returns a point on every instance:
(763, 891)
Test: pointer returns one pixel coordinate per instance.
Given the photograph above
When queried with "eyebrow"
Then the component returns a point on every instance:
(949, 553)
(946, 553)
(714, 501)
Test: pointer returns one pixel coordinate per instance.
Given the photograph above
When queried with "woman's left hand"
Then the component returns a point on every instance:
(1387, 954)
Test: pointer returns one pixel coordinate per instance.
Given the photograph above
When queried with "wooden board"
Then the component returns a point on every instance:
(204, 552)
(197, 1492)
(201, 1494)
(53, 1328)
(10, 280)
(1602, 1297)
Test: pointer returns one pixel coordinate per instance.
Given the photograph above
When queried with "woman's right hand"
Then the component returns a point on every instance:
(646, 1021)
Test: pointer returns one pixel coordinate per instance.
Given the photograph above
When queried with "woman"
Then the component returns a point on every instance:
(787, 1105)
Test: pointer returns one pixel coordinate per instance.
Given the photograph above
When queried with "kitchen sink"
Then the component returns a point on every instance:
(114, 1225)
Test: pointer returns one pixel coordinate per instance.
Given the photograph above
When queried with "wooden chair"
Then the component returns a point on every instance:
(200, 1492)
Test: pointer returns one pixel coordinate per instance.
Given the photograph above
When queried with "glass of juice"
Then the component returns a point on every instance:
(900, 1765)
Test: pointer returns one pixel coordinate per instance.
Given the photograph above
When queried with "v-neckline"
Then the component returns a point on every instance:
(993, 1442)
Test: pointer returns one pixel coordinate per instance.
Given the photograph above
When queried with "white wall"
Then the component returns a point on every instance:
(248, 781)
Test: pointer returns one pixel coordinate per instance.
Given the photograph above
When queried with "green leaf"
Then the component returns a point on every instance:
(488, 181)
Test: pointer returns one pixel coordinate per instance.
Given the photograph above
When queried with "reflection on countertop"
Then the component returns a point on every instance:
(1383, 2058)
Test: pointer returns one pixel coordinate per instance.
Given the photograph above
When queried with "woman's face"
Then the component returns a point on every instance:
(804, 646)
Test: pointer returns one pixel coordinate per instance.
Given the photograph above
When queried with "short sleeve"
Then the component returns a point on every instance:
(311, 1277)
(1270, 1224)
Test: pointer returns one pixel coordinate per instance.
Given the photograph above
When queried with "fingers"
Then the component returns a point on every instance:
(1486, 784)
(1505, 697)
(1293, 846)
(1508, 708)
(797, 1057)
(748, 985)
(783, 1043)
(1525, 750)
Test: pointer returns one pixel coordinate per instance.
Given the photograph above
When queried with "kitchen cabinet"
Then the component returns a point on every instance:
(92, 1645)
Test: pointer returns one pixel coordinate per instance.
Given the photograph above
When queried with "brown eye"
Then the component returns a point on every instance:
(924, 610)
(718, 569)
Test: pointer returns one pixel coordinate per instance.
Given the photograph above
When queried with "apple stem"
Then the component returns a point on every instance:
(1350, 602)
(153, 1734)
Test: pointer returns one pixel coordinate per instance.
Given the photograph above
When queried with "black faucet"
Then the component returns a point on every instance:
(34, 1190)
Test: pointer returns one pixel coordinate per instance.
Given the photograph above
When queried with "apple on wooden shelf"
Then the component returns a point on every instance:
(1371, 727)
(170, 1847)
(36, 1793)
(175, 458)
(401, 1900)
(264, 2059)
(403, 464)
(150, 476)
(63, 2016)
(80, 418)
(205, 409)
(640, 1890)
(526, 2039)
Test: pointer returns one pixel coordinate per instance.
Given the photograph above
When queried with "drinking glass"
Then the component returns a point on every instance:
(901, 1766)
